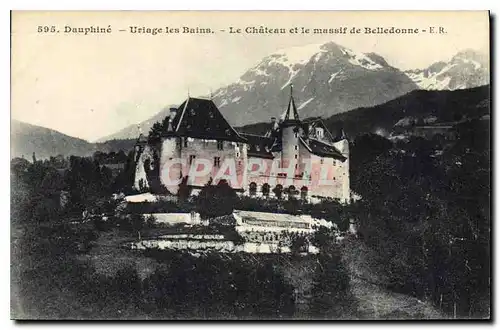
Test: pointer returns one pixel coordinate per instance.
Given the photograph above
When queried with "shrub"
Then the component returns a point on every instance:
(216, 200)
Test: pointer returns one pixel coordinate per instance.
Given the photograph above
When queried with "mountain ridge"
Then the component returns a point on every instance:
(328, 79)
(444, 105)
(466, 69)
(27, 139)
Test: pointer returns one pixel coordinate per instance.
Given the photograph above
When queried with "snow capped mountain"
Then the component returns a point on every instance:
(327, 79)
(466, 69)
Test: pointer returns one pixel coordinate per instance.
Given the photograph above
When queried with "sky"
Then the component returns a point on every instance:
(93, 85)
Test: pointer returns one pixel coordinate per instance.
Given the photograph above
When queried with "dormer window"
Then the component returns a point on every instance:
(192, 112)
(220, 145)
(257, 148)
(319, 132)
(185, 142)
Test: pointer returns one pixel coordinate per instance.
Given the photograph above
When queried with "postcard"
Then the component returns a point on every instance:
(250, 165)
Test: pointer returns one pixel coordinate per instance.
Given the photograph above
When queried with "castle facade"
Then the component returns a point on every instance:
(195, 145)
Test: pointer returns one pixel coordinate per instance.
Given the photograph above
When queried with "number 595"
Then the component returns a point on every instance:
(46, 29)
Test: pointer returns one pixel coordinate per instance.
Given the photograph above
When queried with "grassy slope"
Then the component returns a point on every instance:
(376, 302)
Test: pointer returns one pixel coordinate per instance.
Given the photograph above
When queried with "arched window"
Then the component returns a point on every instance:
(253, 188)
(303, 192)
(266, 189)
(278, 190)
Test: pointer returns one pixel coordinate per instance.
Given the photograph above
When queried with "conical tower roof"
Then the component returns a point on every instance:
(291, 116)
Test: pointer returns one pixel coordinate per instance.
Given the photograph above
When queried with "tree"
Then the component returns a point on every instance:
(133, 223)
(125, 179)
(427, 218)
(298, 243)
(155, 132)
(331, 292)
(216, 200)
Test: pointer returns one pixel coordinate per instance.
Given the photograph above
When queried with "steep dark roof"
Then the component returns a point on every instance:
(259, 146)
(322, 149)
(200, 118)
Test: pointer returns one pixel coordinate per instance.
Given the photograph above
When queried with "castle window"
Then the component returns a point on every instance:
(191, 159)
(322, 161)
(253, 188)
(303, 192)
(220, 145)
(265, 189)
(296, 156)
(296, 134)
(216, 161)
(296, 147)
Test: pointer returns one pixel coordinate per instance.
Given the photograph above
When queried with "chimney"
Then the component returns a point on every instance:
(274, 124)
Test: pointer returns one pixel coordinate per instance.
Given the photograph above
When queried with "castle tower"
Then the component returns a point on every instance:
(291, 131)
(171, 145)
(343, 146)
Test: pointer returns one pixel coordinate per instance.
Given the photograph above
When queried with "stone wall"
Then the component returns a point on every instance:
(322, 177)
(169, 151)
(228, 154)
(141, 178)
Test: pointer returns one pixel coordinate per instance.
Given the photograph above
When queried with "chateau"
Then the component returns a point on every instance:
(195, 145)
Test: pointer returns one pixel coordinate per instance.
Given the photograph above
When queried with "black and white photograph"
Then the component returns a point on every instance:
(250, 165)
